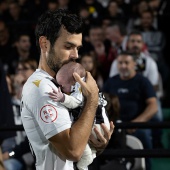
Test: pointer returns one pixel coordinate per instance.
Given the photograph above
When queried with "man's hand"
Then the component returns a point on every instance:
(102, 140)
(89, 88)
(57, 96)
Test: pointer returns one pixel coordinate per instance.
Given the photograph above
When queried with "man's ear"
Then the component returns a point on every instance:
(44, 44)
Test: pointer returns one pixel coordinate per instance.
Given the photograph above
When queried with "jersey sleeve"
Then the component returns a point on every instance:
(71, 102)
(51, 117)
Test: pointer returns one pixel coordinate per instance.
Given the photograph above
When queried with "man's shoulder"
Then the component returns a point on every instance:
(141, 79)
(116, 77)
(148, 58)
(38, 82)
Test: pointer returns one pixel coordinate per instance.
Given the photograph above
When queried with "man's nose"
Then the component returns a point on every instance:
(74, 54)
(123, 65)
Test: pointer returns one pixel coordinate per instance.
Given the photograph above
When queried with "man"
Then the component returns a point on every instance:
(145, 64)
(6, 112)
(5, 45)
(136, 96)
(148, 68)
(57, 142)
(116, 33)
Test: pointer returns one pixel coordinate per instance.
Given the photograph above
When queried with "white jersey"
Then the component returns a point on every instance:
(151, 69)
(42, 118)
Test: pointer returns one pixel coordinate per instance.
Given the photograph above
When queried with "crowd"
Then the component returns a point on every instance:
(125, 48)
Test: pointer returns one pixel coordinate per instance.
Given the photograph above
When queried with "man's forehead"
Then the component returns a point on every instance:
(66, 37)
(124, 57)
(135, 37)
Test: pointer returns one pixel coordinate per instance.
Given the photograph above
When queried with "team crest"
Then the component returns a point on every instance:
(48, 113)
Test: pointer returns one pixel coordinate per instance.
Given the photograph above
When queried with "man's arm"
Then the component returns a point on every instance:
(71, 143)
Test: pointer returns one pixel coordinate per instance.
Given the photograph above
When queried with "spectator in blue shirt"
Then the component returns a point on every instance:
(136, 95)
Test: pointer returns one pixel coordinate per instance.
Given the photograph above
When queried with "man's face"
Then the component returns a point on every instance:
(96, 34)
(65, 48)
(126, 66)
(113, 33)
(3, 33)
(87, 63)
(24, 43)
(146, 20)
(135, 44)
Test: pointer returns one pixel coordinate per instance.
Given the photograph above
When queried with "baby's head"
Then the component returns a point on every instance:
(65, 77)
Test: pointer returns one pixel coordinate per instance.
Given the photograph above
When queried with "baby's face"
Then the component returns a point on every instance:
(65, 86)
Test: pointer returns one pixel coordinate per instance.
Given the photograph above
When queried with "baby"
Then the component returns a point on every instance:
(69, 94)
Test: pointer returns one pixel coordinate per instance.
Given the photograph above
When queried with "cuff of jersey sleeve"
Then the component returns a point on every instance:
(58, 130)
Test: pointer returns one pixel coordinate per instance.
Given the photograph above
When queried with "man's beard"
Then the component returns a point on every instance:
(136, 50)
(53, 61)
(124, 73)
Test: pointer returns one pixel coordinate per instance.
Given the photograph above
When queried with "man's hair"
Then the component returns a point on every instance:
(50, 22)
(128, 53)
(134, 32)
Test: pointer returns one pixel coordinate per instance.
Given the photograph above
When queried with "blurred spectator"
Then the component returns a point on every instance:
(136, 95)
(26, 68)
(85, 14)
(125, 6)
(6, 111)
(16, 19)
(5, 45)
(116, 33)
(3, 8)
(100, 48)
(90, 64)
(106, 21)
(154, 6)
(21, 51)
(95, 9)
(52, 5)
(22, 47)
(64, 4)
(19, 158)
(145, 66)
(135, 20)
(114, 12)
(104, 3)
(153, 38)
(17, 162)
(155, 41)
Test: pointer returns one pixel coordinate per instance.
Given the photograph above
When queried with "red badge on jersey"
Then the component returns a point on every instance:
(48, 113)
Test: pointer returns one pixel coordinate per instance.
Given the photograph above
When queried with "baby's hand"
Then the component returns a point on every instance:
(57, 96)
